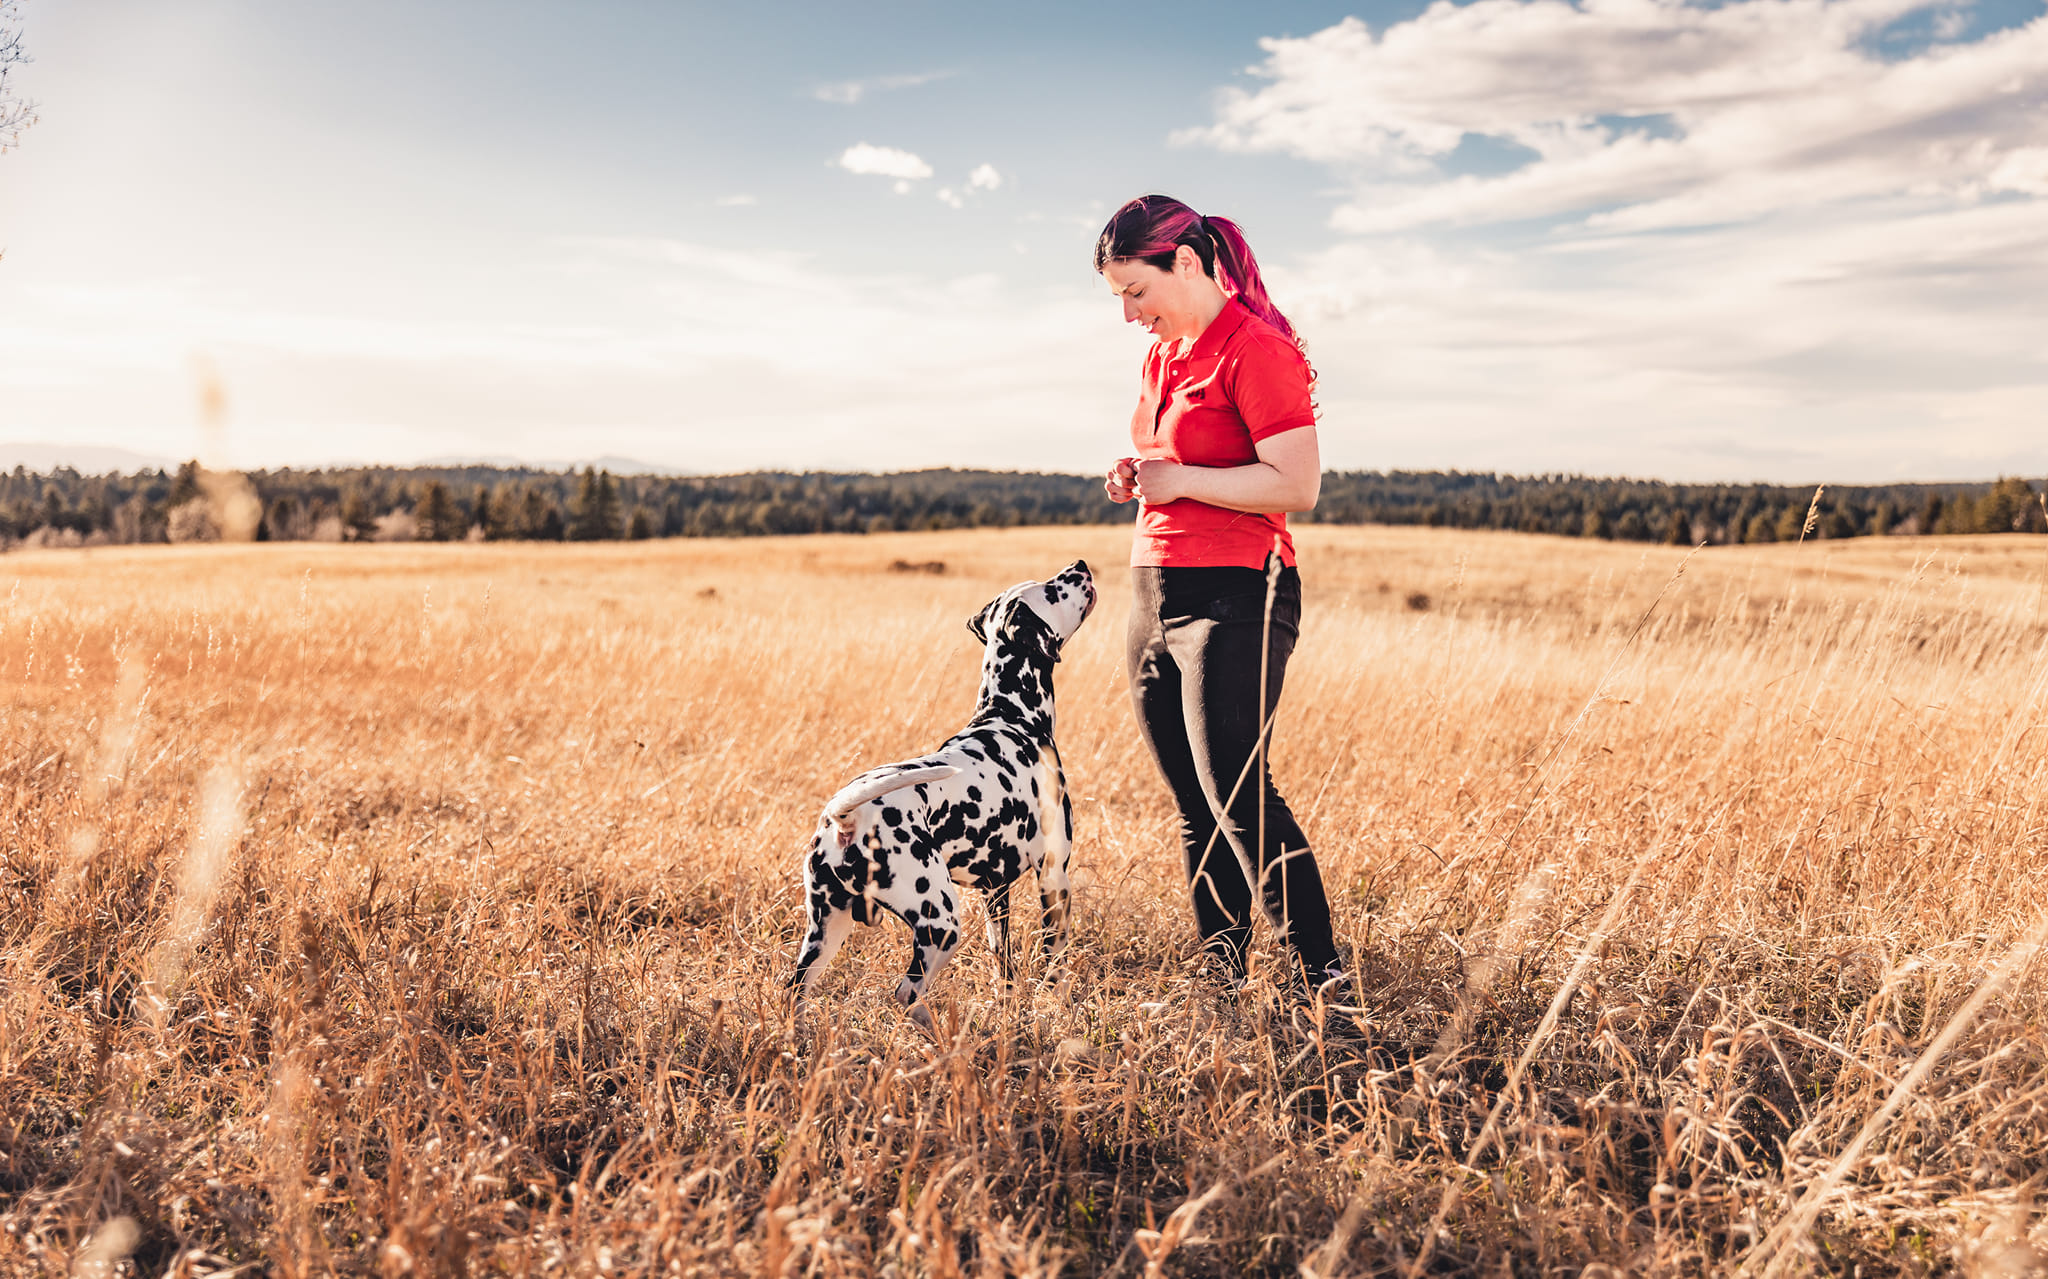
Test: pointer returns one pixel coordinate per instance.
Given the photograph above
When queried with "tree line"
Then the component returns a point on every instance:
(1681, 514)
(510, 503)
(66, 508)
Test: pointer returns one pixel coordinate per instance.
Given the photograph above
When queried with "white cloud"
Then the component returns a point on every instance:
(1651, 237)
(2025, 169)
(984, 177)
(849, 92)
(885, 162)
(1809, 346)
(736, 201)
(1643, 114)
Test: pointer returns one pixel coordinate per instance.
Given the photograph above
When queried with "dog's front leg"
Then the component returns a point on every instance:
(1055, 892)
(999, 936)
(1055, 903)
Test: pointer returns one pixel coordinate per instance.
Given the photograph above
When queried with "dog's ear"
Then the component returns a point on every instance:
(977, 625)
(1048, 642)
(1023, 627)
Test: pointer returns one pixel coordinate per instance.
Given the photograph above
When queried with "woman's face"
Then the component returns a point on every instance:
(1164, 302)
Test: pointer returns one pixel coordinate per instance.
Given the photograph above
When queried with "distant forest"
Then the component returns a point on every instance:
(65, 508)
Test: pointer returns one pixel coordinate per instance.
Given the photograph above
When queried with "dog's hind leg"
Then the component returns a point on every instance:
(828, 931)
(832, 911)
(935, 935)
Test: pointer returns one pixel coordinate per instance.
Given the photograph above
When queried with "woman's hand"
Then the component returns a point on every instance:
(1160, 481)
(1287, 477)
(1121, 483)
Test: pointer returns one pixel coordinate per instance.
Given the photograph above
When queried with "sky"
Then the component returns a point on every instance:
(1756, 240)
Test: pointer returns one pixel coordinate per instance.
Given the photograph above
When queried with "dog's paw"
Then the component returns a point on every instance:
(1058, 982)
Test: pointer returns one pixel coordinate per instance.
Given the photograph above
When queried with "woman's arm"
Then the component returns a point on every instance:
(1287, 477)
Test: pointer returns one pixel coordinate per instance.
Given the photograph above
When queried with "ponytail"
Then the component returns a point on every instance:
(1237, 272)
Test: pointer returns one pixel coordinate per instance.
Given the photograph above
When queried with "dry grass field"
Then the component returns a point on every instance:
(425, 910)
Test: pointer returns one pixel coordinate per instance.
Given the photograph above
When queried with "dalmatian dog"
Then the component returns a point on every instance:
(981, 810)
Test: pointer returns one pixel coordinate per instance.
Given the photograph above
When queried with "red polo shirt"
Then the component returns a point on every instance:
(1243, 381)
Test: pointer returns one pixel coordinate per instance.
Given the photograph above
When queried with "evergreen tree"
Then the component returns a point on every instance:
(438, 521)
(358, 521)
(485, 516)
(597, 508)
(2008, 508)
(533, 510)
(551, 528)
(186, 486)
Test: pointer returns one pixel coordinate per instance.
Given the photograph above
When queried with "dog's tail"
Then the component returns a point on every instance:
(875, 784)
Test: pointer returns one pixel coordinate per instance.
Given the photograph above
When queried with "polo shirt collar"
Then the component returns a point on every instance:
(1228, 321)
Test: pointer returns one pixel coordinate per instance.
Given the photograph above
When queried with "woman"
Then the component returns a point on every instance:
(1225, 439)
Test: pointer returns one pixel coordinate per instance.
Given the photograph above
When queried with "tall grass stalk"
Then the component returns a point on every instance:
(1777, 1251)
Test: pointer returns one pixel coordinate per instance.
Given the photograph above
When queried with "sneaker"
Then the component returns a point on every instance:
(1224, 971)
(1229, 981)
(1328, 1022)
(1332, 986)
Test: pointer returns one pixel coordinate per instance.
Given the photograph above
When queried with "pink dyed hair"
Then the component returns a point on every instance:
(1151, 228)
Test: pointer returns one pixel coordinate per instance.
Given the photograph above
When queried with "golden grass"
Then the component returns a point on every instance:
(408, 909)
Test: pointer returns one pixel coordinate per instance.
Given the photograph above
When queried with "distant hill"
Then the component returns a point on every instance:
(100, 459)
(502, 462)
(86, 459)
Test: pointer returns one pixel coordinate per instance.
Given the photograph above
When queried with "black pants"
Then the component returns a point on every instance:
(1196, 640)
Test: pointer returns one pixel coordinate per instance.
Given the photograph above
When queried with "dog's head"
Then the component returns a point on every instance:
(1038, 617)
